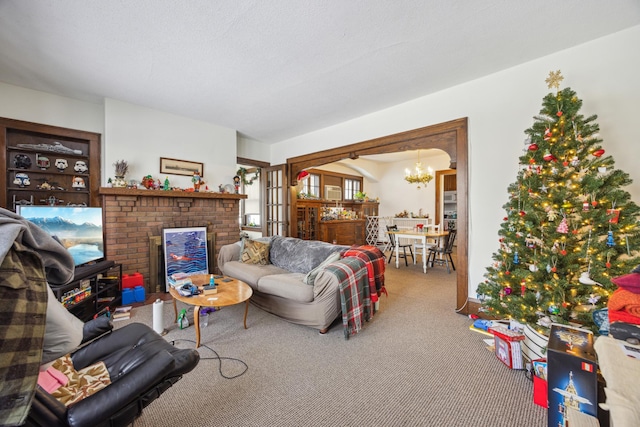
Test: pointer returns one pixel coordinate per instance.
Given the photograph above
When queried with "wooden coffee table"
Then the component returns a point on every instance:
(229, 293)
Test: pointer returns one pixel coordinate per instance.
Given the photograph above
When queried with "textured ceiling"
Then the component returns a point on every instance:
(274, 69)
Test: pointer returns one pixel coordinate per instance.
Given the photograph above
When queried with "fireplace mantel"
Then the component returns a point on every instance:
(132, 217)
(169, 193)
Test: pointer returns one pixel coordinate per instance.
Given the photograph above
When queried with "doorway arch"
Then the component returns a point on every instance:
(450, 137)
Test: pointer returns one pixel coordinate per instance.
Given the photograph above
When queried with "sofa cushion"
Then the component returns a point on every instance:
(310, 277)
(300, 256)
(289, 286)
(254, 252)
(250, 273)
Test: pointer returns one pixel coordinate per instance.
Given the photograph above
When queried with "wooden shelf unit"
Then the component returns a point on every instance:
(33, 150)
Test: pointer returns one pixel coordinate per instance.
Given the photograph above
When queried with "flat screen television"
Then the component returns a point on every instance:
(78, 228)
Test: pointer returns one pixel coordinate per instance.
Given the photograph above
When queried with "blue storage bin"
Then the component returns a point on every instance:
(127, 296)
(139, 293)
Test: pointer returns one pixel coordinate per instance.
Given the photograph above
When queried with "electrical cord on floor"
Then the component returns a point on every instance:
(218, 358)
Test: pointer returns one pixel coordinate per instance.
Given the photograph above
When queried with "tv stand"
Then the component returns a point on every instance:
(95, 289)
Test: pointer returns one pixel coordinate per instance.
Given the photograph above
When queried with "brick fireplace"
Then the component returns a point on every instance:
(132, 217)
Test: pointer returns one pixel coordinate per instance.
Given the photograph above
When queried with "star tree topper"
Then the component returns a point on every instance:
(554, 79)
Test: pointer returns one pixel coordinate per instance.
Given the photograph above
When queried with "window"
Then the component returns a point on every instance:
(351, 187)
(311, 186)
(250, 207)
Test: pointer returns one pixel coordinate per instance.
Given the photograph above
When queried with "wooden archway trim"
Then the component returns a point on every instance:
(451, 137)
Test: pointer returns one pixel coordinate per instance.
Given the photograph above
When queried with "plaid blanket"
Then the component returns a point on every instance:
(355, 295)
(376, 263)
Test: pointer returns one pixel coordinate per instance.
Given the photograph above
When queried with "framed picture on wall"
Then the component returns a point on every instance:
(185, 252)
(180, 167)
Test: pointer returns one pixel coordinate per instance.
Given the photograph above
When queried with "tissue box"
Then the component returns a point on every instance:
(139, 294)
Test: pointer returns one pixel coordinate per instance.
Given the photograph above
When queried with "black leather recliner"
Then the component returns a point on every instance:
(141, 365)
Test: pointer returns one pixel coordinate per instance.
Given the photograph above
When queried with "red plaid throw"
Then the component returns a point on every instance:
(375, 261)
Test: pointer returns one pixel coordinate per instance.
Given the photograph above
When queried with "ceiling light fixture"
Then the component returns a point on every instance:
(420, 176)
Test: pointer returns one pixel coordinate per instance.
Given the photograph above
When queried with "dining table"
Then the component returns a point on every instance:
(423, 236)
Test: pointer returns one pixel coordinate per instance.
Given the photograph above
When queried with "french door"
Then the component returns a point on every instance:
(275, 201)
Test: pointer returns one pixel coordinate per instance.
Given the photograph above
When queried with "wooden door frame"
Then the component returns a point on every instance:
(452, 138)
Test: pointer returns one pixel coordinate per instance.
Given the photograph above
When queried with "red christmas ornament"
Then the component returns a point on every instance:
(505, 218)
(563, 252)
(507, 272)
(522, 213)
(594, 203)
(554, 269)
(559, 114)
(532, 161)
(598, 153)
(533, 147)
(549, 157)
(608, 264)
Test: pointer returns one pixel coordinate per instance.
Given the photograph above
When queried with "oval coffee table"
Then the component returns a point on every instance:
(229, 293)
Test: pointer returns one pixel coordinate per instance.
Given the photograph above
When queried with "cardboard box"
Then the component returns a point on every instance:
(572, 373)
(507, 344)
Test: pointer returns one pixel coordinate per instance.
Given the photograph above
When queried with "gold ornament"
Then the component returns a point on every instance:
(554, 79)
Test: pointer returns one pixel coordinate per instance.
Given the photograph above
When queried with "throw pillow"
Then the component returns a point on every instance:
(254, 252)
(63, 331)
(310, 277)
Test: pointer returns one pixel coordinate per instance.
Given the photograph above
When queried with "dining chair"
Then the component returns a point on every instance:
(394, 242)
(420, 249)
(445, 251)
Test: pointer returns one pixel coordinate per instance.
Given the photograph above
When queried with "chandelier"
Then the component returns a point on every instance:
(419, 176)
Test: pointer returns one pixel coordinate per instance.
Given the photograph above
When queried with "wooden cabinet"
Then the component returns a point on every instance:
(48, 165)
(449, 183)
(343, 232)
(307, 218)
(311, 226)
(95, 289)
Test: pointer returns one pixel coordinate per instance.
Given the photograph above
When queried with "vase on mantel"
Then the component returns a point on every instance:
(119, 182)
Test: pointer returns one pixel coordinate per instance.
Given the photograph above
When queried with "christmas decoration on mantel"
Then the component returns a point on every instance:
(569, 226)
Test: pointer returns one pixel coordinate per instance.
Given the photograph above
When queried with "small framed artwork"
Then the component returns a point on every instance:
(180, 167)
(185, 253)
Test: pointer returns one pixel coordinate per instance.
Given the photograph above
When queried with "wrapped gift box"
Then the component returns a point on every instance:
(507, 345)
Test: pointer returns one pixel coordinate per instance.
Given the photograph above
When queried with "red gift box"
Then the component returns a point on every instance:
(540, 392)
(508, 348)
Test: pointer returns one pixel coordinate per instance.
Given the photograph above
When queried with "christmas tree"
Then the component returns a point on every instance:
(569, 226)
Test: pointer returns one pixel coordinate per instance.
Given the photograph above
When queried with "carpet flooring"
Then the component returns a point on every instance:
(416, 363)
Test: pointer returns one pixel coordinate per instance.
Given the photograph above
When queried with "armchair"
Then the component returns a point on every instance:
(141, 365)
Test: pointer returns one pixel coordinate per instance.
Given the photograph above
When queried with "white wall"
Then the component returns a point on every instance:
(142, 135)
(500, 107)
(249, 148)
(40, 107)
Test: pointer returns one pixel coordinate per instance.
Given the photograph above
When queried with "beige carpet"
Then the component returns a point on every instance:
(415, 364)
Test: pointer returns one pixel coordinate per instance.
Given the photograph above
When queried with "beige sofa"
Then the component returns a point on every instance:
(279, 287)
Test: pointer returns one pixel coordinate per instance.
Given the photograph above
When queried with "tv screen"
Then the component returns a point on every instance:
(78, 228)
